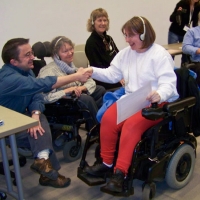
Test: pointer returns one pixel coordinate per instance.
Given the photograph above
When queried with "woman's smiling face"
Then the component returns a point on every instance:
(133, 39)
(101, 24)
(66, 53)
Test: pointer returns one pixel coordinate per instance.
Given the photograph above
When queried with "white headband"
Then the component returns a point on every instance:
(58, 41)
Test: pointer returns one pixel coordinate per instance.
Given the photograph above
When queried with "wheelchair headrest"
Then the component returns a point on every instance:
(41, 50)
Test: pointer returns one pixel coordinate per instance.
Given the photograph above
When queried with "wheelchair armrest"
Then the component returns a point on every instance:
(179, 105)
(168, 109)
(153, 113)
(72, 96)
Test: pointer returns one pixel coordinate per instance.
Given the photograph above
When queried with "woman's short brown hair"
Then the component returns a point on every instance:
(100, 12)
(135, 25)
(58, 42)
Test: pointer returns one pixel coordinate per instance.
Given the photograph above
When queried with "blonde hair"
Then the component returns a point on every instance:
(100, 12)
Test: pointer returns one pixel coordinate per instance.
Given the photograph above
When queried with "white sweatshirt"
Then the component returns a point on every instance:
(138, 69)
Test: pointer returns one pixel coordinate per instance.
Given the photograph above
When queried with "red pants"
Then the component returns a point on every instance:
(131, 132)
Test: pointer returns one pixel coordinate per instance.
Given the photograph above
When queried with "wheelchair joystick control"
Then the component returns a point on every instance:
(153, 112)
(154, 105)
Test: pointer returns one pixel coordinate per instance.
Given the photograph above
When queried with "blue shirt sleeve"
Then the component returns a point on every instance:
(27, 85)
(191, 43)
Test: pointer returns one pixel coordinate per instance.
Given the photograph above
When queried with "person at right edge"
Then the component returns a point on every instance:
(181, 20)
(100, 48)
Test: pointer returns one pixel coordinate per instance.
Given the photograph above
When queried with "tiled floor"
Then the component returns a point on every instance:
(78, 190)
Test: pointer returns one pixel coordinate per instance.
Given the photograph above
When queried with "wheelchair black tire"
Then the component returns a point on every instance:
(148, 191)
(3, 195)
(72, 151)
(180, 167)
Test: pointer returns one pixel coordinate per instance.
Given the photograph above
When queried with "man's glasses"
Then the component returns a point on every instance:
(29, 54)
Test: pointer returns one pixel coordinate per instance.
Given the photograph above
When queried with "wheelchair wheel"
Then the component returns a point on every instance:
(3, 196)
(180, 167)
(72, 151)
(148, 191)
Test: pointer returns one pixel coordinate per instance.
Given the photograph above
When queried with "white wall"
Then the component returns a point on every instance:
(42, 20)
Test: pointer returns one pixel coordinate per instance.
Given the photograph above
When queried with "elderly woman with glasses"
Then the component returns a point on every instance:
(100, 48)
(89, 94)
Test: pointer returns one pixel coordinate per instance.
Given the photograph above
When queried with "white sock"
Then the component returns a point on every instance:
(43, 154)
(108, 164)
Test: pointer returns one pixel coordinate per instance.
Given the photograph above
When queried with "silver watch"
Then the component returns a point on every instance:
(36, 112)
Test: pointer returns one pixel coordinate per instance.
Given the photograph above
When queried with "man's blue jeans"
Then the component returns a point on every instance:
(24, 139)
(173, 38)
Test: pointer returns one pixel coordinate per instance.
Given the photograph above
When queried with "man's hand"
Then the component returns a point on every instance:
(83, 74)
(153, 97)
(36, 129)
(198, 51)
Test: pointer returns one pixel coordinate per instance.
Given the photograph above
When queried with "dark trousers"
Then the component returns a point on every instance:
(174, 38)
(43, 142)
(196, 68)
(92, 103)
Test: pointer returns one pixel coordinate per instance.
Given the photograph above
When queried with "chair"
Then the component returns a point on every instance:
(166, 151)
(80, 59)
(79, 47)
(41, 50)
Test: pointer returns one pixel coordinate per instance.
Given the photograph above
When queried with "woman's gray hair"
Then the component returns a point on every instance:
(58, 42)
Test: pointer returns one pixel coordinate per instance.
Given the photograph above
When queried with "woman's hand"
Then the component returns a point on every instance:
(122, 82)
(88, 70)
(76, 89)
(179, 9)
(36, 129)
(153, 97)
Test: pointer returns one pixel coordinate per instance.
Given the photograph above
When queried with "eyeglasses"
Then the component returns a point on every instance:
(129, 36)
(67, 51)
(29, 54)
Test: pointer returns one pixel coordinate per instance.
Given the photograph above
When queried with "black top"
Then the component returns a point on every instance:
(195, 15)
(100, 50)
(183, 16)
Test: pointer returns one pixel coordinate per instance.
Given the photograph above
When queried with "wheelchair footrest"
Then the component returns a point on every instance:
(124, 193)
(89, 179)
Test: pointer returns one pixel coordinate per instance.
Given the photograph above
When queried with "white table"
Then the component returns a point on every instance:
(14, 122)
(174, 49)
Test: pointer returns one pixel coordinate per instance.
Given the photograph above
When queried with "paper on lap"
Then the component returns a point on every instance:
(132, 103)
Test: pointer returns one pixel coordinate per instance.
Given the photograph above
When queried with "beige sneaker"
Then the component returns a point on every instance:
(60, 182)
(45, 168)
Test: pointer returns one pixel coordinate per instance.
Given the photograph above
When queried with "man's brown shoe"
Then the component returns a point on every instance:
(45, 168)
(60, 182)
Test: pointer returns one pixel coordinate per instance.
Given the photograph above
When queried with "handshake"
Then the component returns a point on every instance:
(84, 74)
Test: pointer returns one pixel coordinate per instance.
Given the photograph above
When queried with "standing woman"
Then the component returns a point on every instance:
(100, 48)
(196, 15)
(181, 20)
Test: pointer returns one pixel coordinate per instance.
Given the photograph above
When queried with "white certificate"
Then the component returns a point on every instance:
(132, 103)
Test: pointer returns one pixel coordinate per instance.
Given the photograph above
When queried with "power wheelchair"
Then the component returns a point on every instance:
(166, 151)
(64, 116)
